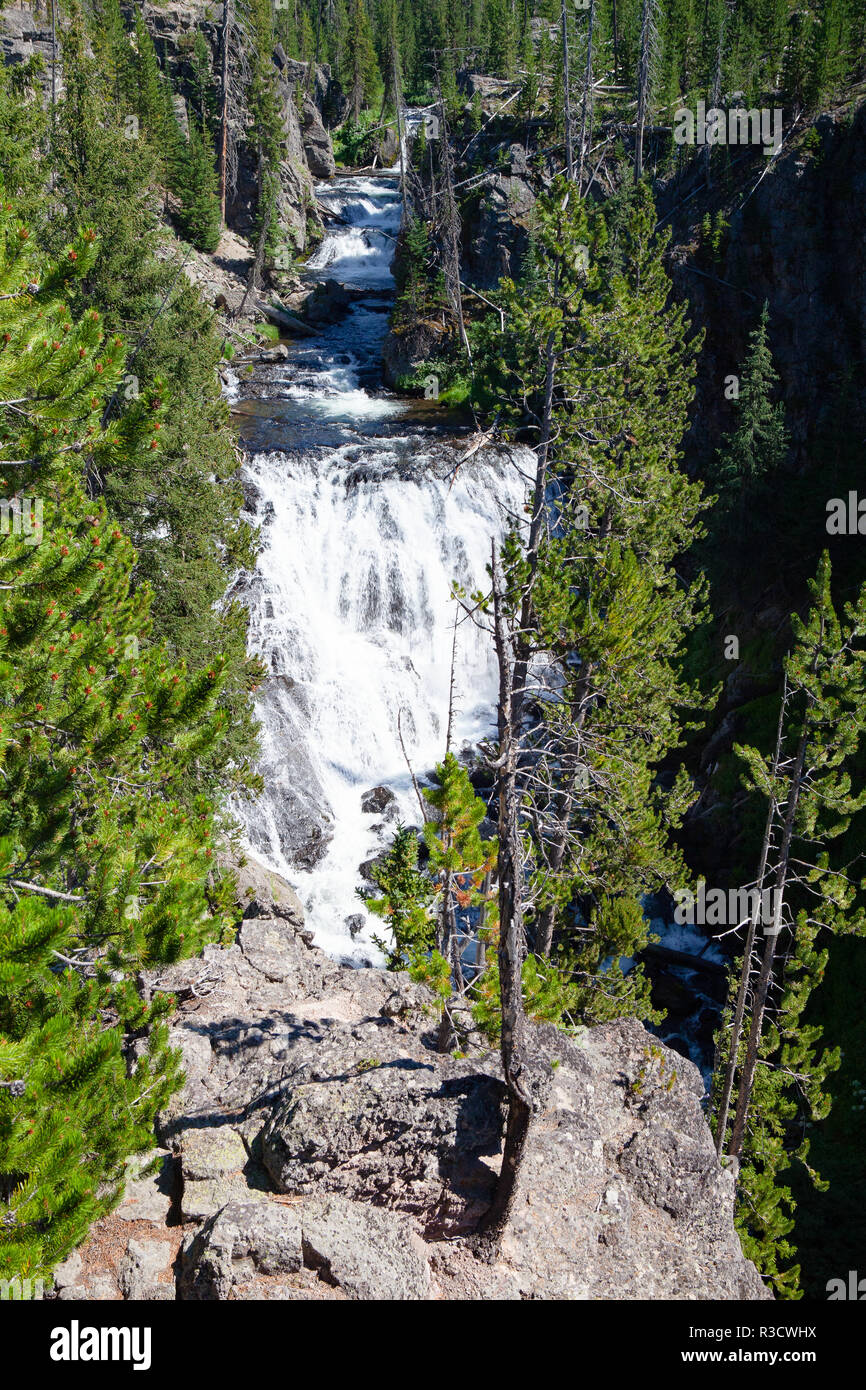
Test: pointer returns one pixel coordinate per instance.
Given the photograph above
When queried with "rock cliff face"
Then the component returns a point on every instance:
(322, 1148)
(307, 153)
(796, 240)
(25, 34)
(497, 229)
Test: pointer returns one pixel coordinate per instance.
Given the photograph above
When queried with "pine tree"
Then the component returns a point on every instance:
(459, 859)
(359, 71)
(599, 362)
(204, 103)
(415, 291)
(646, 74)
(158, 125)
(430, 911)
(808, 785)
(23, 131)
(199, 190)
(267, 124)
(102, 870)
(112, 44)
(780, 1110)
(756, 446)
(405, 903)
(501, 38)
(183, 513)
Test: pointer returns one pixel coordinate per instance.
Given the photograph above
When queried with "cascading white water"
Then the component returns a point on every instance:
(365, 527)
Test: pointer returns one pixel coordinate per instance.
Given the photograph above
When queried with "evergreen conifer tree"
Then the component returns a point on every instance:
(808, 784)
(756, 446)
(102, 869)
(360, 73)
(183, 513)
(601, 362)
(199, 190)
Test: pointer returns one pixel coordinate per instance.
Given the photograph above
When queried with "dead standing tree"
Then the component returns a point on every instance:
(234, 80)
(751, 932)
(449, 217)
(566, 95)
(645, 72)
(586, 104)
(447, 938)
(512, 934)
(811, 800)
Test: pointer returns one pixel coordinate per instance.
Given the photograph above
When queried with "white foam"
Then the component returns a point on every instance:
(354, 607)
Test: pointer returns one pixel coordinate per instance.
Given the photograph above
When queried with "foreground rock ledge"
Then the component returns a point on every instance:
(321, 1148)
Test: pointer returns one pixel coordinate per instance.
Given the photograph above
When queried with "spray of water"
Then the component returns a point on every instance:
(351, 604)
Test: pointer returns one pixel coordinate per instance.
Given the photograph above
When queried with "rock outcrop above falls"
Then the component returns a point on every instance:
(321, 1148)
(306, 152)
(306, 145)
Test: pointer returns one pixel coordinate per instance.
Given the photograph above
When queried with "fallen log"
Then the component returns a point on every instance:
(283, 319)
(672, 957)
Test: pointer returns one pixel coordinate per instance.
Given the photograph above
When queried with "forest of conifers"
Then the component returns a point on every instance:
(678, 616)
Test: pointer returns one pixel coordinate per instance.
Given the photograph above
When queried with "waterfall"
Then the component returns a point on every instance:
(366, 523)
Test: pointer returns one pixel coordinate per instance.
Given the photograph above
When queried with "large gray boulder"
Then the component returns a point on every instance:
(405, 1132)
(318, 150)
(241, 1241)
(262, 892)
(369, 1253)
(621, 1195)
(360, 1251)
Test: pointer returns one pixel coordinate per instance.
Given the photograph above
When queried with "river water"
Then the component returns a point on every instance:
(365, 527)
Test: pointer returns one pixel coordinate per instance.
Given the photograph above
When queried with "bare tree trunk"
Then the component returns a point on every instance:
(53, 179)
(615, 45)
(448, 946)
(224, 101)
(447, 942)
(539, 505)
(451, 224)
(566, 98)
(401, 134)
(749, 948)
(644, 74)
(587, 96)
(480, 945)
(411, 770)
(750, 1062)
(254, 277)
(512, 940)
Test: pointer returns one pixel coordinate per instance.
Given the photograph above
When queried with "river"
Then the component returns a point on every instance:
(365, 526)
